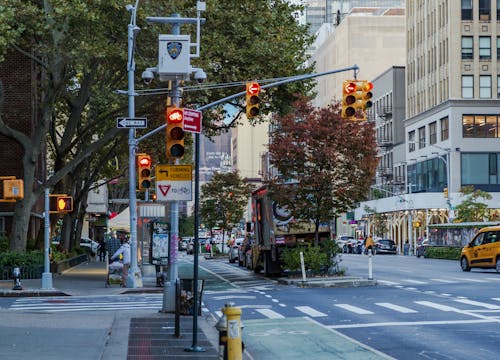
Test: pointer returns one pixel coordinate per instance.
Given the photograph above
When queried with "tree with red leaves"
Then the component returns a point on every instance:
(325, 164)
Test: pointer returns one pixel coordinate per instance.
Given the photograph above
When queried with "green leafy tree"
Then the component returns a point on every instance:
(223, 201)
(471, 209)
(378, 222)
(325, 164)
(79, 56)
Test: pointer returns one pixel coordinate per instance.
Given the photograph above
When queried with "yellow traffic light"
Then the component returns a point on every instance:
(356, 99)
(445, 192)
(60, 203)
(144, 164)
(175, 133)
(252, 99)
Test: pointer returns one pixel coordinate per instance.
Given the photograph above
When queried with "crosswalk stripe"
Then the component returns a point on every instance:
(478, 303)
(496, 299)
(470, 280)
(354, 309)
(397, 308)
(270, 313)
(310, 311)
(493, 278)
(444, 281)
(386, 282)
(436, 306)
(416, 282)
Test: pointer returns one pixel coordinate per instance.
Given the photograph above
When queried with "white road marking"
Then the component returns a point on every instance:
(354, 309)
(416, 282)
(478, 303)
(397, 308)
(386, 282)
(270, 314)
(436, 306)
(493, 278)
(496, 299)
(470, 280)
(444, 281)
(229, 297)
(310, 311)
(410, 323)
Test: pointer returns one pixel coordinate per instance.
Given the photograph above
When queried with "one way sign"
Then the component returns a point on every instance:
(131, 123)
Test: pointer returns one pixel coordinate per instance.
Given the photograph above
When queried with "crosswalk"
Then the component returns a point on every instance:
(431, 281)
(89, 303)
(464, 306)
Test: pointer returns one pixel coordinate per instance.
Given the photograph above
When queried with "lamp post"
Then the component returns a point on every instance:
(134, 279)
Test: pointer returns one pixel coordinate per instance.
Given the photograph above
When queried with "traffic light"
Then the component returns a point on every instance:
(356, 99)
(252, 99)
(60, 203)
(144, 171)
(175, 133)
(445, 192)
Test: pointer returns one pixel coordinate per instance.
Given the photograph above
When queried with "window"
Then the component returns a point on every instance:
(480, 169)
(444, 128)
(467, 47)
(467, 86)
(484, 48)
(433, 133)
(484, 10)
(485, 86)
(421, 137)
(498, 45)
(427, 175)
(498, 87)
(466, 9)
(480, 126)
(498, 10)
(411, 141)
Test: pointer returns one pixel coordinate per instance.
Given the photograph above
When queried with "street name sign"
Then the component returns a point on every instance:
(131, 123)
(192, 120)
(174, 182)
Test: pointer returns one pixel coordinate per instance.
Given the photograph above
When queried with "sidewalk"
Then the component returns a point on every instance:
(150, 334)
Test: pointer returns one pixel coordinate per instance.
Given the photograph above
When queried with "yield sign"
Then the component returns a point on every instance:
(164, 189)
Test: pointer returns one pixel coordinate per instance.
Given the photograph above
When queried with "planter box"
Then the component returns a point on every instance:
(60, 266)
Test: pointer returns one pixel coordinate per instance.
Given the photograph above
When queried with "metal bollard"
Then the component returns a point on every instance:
(370, 265)
(221, 327)
(16, 274)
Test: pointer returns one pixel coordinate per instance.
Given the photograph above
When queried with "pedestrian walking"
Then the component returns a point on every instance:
(102, 250)
(113, 244)
(124, 250)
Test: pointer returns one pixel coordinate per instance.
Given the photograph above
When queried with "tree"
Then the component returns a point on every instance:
(378, 221)
(223, 201)
(470, 209)
(325, 164)
(78, 49)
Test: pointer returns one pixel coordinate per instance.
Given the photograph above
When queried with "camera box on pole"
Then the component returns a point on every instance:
(174, 55)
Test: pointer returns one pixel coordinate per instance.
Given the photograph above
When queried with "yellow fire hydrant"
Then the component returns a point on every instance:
(230, 333)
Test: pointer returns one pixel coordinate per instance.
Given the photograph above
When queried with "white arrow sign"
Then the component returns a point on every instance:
(126, 123)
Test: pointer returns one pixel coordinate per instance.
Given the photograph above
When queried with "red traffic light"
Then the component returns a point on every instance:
(144, 161)
(350, 87)
(253, 88)
(175, 115)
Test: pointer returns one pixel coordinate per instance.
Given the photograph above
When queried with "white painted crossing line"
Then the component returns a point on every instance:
(478, 303)
(470, 280)
(397, 308)
(417, 282)
(354, 309)
(496, 299)
(270, 313)
(493, 278)
(436, 306)
(309, 311)
(444, 281)
(386, 282)
(230, 297)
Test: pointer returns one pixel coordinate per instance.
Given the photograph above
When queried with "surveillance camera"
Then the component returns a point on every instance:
(200, 76)
(147, 76)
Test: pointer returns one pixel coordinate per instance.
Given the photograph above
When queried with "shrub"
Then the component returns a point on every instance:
(317, 259)
(443, 252)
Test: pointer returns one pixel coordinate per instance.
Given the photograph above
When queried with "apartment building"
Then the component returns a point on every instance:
(452, 136)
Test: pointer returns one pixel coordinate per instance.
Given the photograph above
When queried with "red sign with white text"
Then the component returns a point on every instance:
(192, 120)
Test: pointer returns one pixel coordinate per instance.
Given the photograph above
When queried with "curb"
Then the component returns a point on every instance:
(328, 282)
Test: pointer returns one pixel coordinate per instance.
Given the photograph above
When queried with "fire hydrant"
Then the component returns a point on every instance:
(230, 328)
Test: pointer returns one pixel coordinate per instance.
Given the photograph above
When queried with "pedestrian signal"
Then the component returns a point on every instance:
(60, 203)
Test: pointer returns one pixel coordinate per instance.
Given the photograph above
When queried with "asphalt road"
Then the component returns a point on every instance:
(421, 309)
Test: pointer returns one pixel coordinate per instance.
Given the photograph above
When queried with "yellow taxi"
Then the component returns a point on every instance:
(483, 251)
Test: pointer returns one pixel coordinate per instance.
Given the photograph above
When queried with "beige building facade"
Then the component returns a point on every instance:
(372, 38)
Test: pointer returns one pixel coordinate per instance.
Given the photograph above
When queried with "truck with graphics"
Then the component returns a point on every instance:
(275, 229)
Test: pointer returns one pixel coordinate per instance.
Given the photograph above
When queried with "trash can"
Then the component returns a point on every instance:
(187, 296)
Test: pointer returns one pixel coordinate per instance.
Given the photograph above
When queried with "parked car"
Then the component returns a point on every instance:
(89, 244)
(346, 243)
(385, 246)
(483, 251)
(421, 246)
(233, 251)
